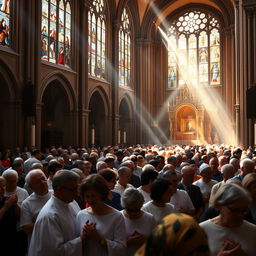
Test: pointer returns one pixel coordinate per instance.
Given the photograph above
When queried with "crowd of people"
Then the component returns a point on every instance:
(119, 200)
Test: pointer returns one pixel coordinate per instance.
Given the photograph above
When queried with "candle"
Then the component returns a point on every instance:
(118, 137)
(93, 136)
(33, 135)
(124, 136)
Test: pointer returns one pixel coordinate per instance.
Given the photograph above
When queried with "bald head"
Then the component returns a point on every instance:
(227, 171)
(188, 174)
(247, 166)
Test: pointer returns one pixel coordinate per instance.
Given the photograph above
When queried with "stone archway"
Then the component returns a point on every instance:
(97, 120)
(57, 116)
(7, 116)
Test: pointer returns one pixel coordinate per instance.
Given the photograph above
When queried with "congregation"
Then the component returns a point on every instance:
(120, 200)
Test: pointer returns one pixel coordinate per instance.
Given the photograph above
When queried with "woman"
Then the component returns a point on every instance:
(161, 192)
(103, 225)
(114, 198)
(249, 183)
(177, 235)
(139, 224)
(229, 233)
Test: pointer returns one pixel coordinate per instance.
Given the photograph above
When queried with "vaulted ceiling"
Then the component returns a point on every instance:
(226, 7)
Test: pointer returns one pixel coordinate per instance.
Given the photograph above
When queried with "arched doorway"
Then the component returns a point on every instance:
(7, 117)
(125, 133)
(186, 124)
(57, 116)
(98, 129)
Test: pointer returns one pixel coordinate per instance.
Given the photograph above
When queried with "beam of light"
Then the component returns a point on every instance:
(210, 99)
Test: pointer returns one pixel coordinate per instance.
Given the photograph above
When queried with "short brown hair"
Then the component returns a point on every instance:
(108, 174)
(97, 183)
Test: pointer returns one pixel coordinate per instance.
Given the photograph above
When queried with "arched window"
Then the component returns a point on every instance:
(124, 65)
(97, 39)
(56, 32)
(194, 50)
(5, 22)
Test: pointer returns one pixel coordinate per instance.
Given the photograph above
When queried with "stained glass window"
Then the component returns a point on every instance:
(5, 22)
(124, 64)
(194, 50)
(97, 39)
(56, 32)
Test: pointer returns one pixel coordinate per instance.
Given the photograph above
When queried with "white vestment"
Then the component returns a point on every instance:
(54, 230)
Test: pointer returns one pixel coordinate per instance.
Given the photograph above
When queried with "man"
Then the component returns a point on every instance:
(188, 174)
(180, 199)
(11, 177)
(32, 205)
(35, 158)
(227, 172)
(134, 180)
(124, 178)
(54, 230)
(206, 182)
(214, 164)
(247, 166)
(236, 164)
(147, 178)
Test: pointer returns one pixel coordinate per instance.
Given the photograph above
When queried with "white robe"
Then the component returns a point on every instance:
(111, 226)
(54, 230)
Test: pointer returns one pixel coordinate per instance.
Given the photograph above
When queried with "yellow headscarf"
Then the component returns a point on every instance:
(177, 235)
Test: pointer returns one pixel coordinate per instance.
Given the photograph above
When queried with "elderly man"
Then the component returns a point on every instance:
(188, 174)
(135, 179)
(124, 178)
(247, 166)
(54, 230)
(206, 182)
(227, 172)
(11, 178)
(32, 205)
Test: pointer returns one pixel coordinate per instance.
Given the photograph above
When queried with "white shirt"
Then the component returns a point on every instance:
(54, 230)
(21, 193)
(158, 212)
(244, 234)
(205, 187)
(111, 226)
(145, 194)
(138, 225)
(120, 189)
(181, 200)
(31, 207)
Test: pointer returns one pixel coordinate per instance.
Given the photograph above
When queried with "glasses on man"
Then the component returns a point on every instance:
(73, 190)
(237, 210)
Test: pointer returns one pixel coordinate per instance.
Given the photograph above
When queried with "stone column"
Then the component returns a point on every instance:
(82, 53)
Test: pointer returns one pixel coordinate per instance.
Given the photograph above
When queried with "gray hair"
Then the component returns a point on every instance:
(10, 172)
(229, 193)
(248, 164)
(36, 166)
(28, 176)
(77, 171)
(132, 196)
(62, 178)
(100, 165)
(225, 168)
(148, 167)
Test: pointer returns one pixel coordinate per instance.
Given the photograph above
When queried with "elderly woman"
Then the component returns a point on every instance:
(249, 183)
(103, 225)
(177, 235)
(229, 233)
(161, 192)
(139, 224)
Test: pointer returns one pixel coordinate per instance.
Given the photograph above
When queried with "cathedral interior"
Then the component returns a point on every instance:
(101, 72)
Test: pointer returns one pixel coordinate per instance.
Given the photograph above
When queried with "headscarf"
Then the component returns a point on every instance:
(177, 235)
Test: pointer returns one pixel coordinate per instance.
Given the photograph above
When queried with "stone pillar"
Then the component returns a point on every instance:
(38, 124)
(237, 111)
(82, 53)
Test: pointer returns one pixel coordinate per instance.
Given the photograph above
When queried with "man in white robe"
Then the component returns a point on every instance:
(32, 205)
(54, 230)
